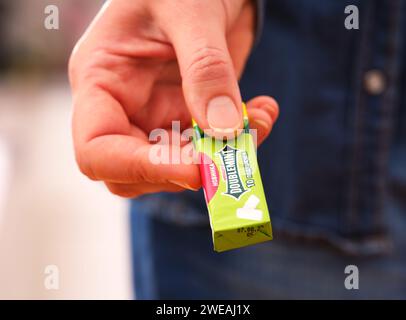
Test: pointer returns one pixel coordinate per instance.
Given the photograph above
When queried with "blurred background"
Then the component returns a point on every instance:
(50, 214)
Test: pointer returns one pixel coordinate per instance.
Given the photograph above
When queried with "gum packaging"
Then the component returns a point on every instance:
(233, 189)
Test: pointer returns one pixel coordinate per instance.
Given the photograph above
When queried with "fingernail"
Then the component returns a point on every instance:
(223, 115)
(183, 185)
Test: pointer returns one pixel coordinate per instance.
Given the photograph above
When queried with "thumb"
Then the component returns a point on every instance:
(209, 81)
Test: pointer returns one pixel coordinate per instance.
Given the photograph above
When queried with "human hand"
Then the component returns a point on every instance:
(143, 64)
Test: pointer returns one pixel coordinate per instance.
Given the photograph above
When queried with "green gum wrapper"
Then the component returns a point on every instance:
(233, 189)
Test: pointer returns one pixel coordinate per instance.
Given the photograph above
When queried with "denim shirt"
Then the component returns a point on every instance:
(335, 163)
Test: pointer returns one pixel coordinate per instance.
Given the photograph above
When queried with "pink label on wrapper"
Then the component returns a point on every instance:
(210, 176)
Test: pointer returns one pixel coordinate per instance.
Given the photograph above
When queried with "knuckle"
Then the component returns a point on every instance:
(275, 104)
(72, 65)
(272, 108)
(208, 64)
(88, 69)
(75, 63)
(85, 168)
(136, 173)
(72, 68)
(145, 172)
(85, 165)
(139, 171)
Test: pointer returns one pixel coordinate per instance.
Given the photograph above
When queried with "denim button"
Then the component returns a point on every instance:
(374, 82)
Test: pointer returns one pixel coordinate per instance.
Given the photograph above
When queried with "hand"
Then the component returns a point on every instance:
(142, 64)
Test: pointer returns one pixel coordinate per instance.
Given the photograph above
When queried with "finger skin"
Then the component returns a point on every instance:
(205, 63)
(125, 159)
(240, 38)
(267, 103)
(107, 146)
(136, 63)
(136, 190)
(263, 111)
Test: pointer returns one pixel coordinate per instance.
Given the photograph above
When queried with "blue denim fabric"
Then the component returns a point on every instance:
(334, 168)
(173, 261)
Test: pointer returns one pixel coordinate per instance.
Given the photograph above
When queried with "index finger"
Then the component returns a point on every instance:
(106, 150)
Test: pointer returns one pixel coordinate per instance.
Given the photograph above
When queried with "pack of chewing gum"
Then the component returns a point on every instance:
(233, 189)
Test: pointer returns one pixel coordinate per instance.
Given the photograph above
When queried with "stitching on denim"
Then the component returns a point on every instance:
(353, 208)
(389, 102)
